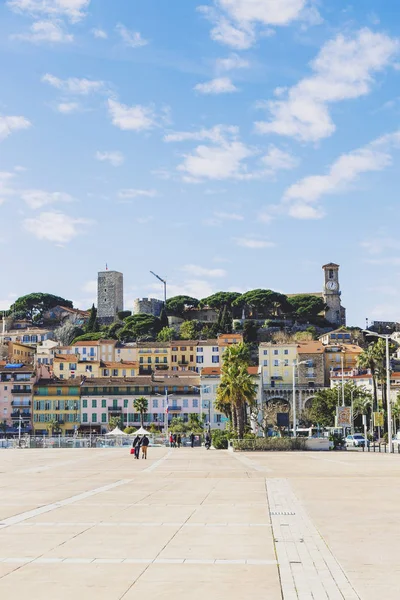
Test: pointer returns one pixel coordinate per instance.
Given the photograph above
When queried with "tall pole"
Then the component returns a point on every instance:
(166, 414)
(389, 403)
(294, 399)
(342, 378)
(201, 404)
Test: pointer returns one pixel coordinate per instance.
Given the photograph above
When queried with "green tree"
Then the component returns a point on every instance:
(266, 302)
(177, 304)
(220, 300)
(93, 324)
(114, 422)
(166, 334)
(33, 306)
(237, 389)
(368, 359)
(189, 330)
(194, 423)
(52, 426)
(250, 331)
(178, 425)
(141, 326)
(88, 337)
(323, 408)
(224, 324)
(305, 306)
(164, 318)
(141, 405)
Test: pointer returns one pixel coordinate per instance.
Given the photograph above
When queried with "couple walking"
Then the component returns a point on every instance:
(175, 440)
(140, 442)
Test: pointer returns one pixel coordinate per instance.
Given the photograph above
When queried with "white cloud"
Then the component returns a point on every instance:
(39, 198)
(131, 38)
(66, 108)
(225, 216)
(6, 189)
(9, 124)
(46, 31)
(378, 245)
(253, 243)
(55, 227)
(133, 193)
(232, 62)
(197, 271)
(220, 85)
(74, 10)
(277, 160)
(144, 220)
(116, 159)
(74, 85)
(99, 34)
(216, 134)
(132, 118)
(343, 70)
(236, 22)
(195, 288)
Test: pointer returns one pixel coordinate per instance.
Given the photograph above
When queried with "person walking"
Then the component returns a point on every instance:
(134, 444)
(145, 445)
(171, 440)
(192, 438)
(174, 438)
(179, 440)
(137, 446)
(207, 443)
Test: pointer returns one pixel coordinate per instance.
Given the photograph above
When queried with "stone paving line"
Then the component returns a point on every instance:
(136, 561)
(308, 570)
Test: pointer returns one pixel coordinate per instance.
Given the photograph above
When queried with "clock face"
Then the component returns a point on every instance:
(331, 285)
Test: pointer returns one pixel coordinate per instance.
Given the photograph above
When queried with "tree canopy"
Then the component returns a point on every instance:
(264, 301)
(33, 306)
(139, 326)
(305, 306)
(177, 304)
(220, 300)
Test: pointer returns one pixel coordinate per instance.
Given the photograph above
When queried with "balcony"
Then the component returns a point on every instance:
(183, 363)
(172, 409)
(23, 415)
(20, 403)
(116, 409)
(21, 391)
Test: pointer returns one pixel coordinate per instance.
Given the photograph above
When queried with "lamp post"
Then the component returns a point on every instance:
(295, 365)
(202, 389)
(386, 337)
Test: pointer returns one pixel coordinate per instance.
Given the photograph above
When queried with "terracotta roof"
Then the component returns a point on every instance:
(153, 344)
(23, 369)
(94, 343)
(348, 348)
(140, 380)
(217, 371)
(184, 343)
(310, 348)
(116, 365)
(58, 382)
(65, 357)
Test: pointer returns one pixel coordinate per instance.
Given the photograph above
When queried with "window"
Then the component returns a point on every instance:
(195, 403)
(215, 349)
(104, 417)
(286, 352)
(215, 359)
(115, 372)
(149, 360)
(174, 349)
(61, 367)
(330, 273)
(94, 403)
(104, 404)
(83, 350)
(276, 352)
(84, 418)
(132, 372)
(276, 363)
(155, 403)
(265, 363)
(94, 418)
(199, 360)
(191, 359)
(61, 376)
(199, 350)
(286, 363)
(72, 366)
(217, 418)
(265, 352)
(84, 403)
(185, 403)
(183, 349)
(59, 391)
(125, 403)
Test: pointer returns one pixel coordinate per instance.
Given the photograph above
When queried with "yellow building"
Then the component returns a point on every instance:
(118, 369)
(69, 366)
(153, 356)
(338, 356)
(276, 362)
(56, 407)
(17, 352)
(183, 355)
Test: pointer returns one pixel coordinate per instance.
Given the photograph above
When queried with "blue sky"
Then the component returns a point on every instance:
(224, 144)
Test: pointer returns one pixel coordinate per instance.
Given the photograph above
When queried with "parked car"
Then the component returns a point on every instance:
(356, 440)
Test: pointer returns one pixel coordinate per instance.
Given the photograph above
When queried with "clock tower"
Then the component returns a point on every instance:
(334, 313)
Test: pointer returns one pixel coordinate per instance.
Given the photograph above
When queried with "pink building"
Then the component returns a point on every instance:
(16, 388)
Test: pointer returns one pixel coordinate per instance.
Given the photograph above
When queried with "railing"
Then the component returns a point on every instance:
(23, 391)
(114, 409)
(20, 403)
(382, 448)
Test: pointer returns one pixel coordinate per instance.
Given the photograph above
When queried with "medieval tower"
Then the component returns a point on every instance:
(335, 312)
(110, 296)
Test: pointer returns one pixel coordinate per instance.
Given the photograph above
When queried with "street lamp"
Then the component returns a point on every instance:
(295, 365)
(386, 337)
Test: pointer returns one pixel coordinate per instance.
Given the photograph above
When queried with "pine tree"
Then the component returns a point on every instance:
(93, 324)
(164, 318)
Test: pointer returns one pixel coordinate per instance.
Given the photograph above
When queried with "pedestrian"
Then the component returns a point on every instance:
(208, 440)
(145, 445)
(192, 438)
(171, 440)
(174, 438)
(135, 444)
(137, 447)
(179, 440)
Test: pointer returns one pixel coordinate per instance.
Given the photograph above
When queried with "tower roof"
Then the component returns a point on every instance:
(330, 266)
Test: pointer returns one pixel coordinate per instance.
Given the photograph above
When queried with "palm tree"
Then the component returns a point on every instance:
(51, 426)
(114, 422)
(368, 360)
(141, 406)
(236, 390)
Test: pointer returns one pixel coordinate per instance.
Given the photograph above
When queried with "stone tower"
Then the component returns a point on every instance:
(335, 313)
(110, 296)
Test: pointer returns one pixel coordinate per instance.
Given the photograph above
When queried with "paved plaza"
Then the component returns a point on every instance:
(191, 524)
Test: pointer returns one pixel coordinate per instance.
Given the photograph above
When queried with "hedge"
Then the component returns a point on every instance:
(270, 444)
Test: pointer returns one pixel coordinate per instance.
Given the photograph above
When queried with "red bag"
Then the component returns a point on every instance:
(132, 451)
